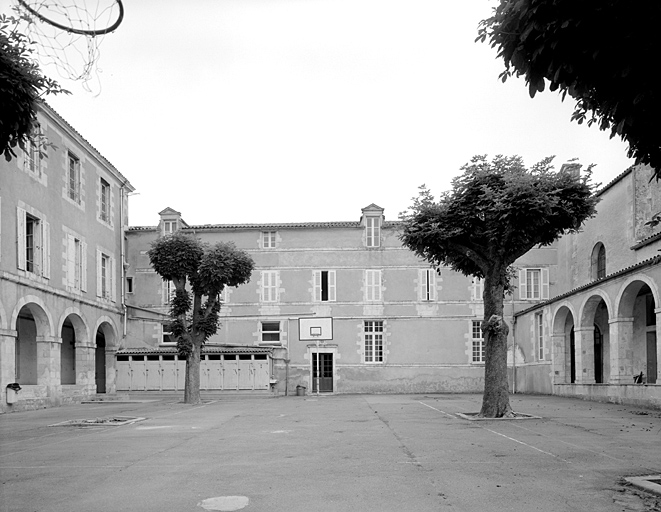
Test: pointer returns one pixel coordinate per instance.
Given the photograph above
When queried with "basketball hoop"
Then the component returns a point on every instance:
(67, 33)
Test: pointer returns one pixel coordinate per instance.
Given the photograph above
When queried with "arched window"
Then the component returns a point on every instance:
(598, 262)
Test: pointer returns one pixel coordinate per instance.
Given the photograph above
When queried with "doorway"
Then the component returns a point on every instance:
(325, 367)
(598, 356)
(100, 362)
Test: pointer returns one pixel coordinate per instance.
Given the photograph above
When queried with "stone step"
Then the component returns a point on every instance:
(109, 397)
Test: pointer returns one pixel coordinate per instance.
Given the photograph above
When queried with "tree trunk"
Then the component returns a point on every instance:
(496, 401)
(192, 387)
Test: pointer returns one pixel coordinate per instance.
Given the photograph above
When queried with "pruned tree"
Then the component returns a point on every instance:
(207, 270)
(600, 52)
(22, 85)
(495, 213)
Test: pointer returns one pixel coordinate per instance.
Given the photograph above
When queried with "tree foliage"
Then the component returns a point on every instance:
(22, 85)
(496, 212)
(600, 52)
(186, 261)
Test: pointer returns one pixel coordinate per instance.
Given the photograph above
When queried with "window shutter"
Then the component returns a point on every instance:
(45, 250)
(316, 283)
(432, 284)
(377, 285)
(99, 277)
(331, 285)
(545, 283)
(20, 234)
(71, 260)
(83, 266)
(113, 280)
(522, 284)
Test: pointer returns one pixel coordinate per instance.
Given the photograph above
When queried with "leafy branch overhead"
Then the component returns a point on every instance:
(599, 52)
(22, 85)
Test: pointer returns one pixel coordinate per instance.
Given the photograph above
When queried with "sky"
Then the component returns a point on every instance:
(270, 111)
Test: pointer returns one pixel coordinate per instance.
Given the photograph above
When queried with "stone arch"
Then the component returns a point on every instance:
(624, 301)
(105, 342)
(107, 326)
(589, 306)
(41, 314)
(34, 324)
(73, 332)
(563, 341)
(637, 302)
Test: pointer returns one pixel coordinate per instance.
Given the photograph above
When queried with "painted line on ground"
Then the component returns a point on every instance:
(438, 410)
(499, 434)
(572, 444)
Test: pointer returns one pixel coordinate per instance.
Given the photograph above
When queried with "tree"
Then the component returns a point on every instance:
(600, 52)
(495, 213)
(185, 260)
(21, 87)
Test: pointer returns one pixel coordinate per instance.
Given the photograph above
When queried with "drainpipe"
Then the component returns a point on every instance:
(123, 197)
(513, 348)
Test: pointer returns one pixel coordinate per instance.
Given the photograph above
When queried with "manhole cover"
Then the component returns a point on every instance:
(224, 503)
(111, 421)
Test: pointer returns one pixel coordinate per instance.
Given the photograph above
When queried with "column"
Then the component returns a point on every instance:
(85, 365)
(584, 344)
(7, 357)
(559, 358)
(620, 332)
(48, 364)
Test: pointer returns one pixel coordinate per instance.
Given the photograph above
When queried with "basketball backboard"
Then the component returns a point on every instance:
(315, 329)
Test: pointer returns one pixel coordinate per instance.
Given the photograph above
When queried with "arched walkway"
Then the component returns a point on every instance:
(33, 325)
(105, 344)
(564, 349)
(74, 334)
(637, 330)
(592, 339)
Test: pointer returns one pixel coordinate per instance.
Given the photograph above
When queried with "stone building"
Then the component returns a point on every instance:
(397, 325)
(62, 219)
(601, 328)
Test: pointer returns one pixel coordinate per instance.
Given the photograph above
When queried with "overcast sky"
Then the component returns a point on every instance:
(256, 111)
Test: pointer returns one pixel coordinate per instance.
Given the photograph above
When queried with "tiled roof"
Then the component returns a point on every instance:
(283, 225)
(646, 241)
(648, 262)
(207, 349)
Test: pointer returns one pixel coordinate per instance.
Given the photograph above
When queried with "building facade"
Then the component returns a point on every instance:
(598, 337)
(63, 211)
(397, 325)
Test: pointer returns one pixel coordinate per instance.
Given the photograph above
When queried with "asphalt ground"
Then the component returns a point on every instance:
(330, 453)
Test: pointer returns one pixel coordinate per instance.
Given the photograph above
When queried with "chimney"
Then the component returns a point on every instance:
(572, 168)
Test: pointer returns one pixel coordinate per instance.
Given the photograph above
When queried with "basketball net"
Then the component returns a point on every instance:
(66, 34)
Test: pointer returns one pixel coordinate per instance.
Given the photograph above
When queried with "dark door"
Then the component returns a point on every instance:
(100, 363)
(325, 367)
(598, 356)
(572, 356)
(651, 358)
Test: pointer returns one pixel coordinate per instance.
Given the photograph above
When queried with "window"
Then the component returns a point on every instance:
(169, 227)
(73, 178)
(33, 243)
(598, 261)
(270, 332)
(167, 338)
(104, 214)
(478, 342)
(539, 335)
(373, 335)
(129, 285)
(32, 158)
(76, 263)
(324, 285)
(270, 286)
(372, 285)
(477, 292)
(534, 283)
(427, 279)
(268, 239)
(169, 292)
(372, 231)
(105, 276)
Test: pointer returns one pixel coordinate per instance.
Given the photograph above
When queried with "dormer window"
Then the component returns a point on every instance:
(169, 227)
(372, 220)
(372, 231)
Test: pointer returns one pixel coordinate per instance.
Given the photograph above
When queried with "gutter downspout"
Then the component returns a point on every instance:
(513, 348)
(123, 199)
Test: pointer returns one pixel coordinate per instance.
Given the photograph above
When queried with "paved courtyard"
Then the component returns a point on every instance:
(330, 453)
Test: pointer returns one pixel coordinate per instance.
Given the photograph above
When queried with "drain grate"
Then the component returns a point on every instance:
(111, 421)
(649, 483)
